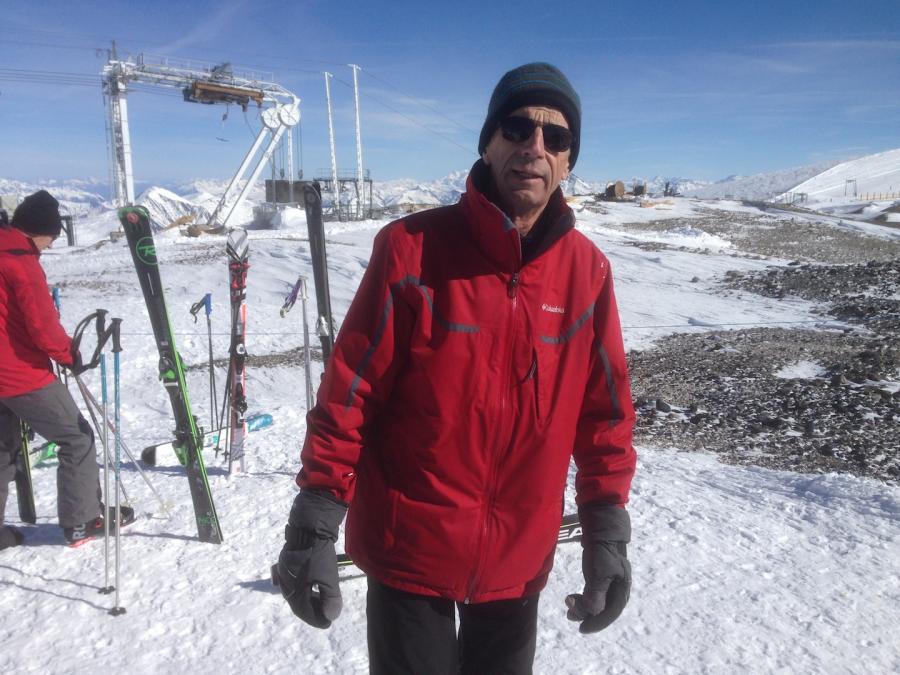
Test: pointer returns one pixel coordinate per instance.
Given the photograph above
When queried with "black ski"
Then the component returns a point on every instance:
(569, 531)
(312, 201)
(24, 486)
(188, 437)
(238, 250)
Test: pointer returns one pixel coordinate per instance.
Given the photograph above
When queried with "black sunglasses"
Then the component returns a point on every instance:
(519, 129)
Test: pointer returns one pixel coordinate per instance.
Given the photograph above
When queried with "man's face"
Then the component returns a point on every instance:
(42, 241)
(526, 173)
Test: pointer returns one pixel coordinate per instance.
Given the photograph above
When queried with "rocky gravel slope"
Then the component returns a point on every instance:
(789, 398)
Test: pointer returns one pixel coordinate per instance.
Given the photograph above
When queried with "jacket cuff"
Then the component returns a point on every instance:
(601, 521)
(318, 511)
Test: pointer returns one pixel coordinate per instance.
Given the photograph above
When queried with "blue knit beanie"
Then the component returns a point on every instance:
(533, 84)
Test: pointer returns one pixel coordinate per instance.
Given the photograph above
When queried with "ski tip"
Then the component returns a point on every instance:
(132, 213)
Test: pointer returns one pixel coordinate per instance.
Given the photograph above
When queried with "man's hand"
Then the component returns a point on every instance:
(607, 585)
(604, 561)
(76, 367)
(307, 570)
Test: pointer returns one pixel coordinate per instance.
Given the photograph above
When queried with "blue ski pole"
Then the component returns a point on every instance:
(104, 398)
(117, 348)
(206, 303)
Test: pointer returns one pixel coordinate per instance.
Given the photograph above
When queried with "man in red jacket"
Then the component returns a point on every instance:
(482, 353)
(31, 335)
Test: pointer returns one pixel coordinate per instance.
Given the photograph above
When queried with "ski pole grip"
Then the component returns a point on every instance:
(200, 304)
(78, 334)
(116, 330)
(101, 327)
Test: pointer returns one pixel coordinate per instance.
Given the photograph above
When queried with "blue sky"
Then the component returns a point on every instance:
(689, 89)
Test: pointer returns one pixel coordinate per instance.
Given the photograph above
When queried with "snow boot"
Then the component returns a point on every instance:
(81, 534)
(10, 536)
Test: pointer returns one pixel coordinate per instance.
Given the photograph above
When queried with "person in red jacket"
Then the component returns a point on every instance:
(30, 336)
(481, 354)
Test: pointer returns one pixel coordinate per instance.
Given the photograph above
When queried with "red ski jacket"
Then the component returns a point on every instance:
(30, 332)
(461, 385)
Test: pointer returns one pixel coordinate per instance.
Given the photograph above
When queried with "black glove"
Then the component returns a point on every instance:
(607, 573)
(77, 367)
(307, 570)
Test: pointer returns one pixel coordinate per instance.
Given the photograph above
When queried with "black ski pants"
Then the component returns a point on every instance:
(52, 413)
(413, 634)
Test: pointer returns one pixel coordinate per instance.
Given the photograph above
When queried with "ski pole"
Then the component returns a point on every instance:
(117, 609)
(299, 290)
(206, 302)
(98, 429)
(62, 373)
(310, 400)
(104, 397)
(291, 298)
(91, 403)
(226, 398)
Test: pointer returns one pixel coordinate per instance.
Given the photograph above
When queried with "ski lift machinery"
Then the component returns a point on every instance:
(279, 112)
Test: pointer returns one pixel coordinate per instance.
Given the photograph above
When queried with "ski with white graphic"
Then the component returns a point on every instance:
(238, 250)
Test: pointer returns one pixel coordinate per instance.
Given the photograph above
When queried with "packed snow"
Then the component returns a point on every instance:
(736, 569)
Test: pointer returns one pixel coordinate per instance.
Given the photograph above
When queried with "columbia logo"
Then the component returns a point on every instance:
(553, 308)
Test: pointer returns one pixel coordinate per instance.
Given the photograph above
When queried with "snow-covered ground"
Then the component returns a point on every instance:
(736, 570)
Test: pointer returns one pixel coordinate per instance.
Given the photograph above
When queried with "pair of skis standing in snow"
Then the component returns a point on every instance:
(189, 438)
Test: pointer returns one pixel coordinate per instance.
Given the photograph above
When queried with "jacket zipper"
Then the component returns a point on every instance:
(512, 288)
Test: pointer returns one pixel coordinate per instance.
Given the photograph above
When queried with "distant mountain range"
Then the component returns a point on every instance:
(169, 202)
(761, 186)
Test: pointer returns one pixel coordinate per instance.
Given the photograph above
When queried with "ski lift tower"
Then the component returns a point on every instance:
(199, 83)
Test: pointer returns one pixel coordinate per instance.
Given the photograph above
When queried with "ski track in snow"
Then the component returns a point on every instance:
(736, 569)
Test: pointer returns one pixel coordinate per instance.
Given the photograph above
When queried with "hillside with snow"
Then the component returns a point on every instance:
(759, 187)
(874, 177)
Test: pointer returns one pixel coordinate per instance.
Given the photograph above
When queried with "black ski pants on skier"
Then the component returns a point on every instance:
(52, 413)
(413, 634)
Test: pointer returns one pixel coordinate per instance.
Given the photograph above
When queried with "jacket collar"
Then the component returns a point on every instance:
(13, 241)
(496, 234)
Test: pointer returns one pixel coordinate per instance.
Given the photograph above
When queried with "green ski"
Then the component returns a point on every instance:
(188, 437)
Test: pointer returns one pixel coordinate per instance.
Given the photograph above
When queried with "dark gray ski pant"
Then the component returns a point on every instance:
(52, 413)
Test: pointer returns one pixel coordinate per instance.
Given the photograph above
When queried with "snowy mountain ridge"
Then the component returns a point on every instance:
(761, 186)
(876, 173)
